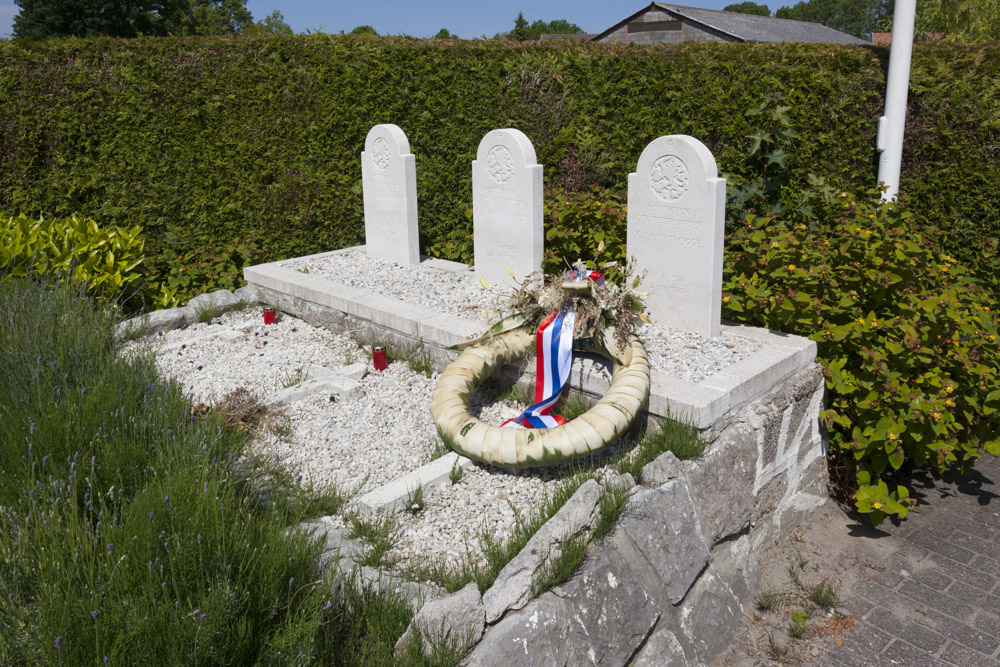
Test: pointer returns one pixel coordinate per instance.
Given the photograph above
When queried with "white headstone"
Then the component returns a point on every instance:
(506, 208)
(676, 224)
(389, 179)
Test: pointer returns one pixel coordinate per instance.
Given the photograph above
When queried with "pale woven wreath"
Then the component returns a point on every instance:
(606, 316)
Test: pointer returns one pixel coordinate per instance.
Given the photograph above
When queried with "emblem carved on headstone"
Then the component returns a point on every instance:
(669, 178)
(380, 154)
(676, 210)
(501, 164)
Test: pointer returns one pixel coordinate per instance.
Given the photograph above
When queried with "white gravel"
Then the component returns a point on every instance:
(362, 443)
(356, 444)
(683, 355)
(458, 294)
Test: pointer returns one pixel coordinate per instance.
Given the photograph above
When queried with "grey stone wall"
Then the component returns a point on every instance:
(669, 585)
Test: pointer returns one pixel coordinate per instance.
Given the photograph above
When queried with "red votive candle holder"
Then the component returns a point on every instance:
(379, 358)
(270, 316)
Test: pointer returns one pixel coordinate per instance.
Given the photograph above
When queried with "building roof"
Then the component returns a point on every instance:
(750, 28)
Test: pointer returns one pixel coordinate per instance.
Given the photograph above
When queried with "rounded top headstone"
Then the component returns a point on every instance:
(677, 166)
(503, 152)
(384, 142)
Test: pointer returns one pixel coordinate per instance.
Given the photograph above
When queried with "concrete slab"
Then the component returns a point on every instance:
(392, 496)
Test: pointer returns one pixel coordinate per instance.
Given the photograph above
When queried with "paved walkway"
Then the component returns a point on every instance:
(934, 596)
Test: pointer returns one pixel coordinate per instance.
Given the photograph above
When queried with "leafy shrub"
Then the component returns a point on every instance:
(105, 259)
(201, 270)
(907, 337)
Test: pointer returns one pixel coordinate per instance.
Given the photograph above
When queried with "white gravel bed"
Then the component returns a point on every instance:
(689, 356)
(351, 444)
(679, 354)
(458, 294)
(238, 350)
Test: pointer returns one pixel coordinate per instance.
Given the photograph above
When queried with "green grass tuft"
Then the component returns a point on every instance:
(561, 566)
(379, 534)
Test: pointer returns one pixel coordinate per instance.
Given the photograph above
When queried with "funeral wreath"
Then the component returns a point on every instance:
(557, 312)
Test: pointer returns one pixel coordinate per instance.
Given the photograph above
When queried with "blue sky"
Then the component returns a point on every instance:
(464, 18)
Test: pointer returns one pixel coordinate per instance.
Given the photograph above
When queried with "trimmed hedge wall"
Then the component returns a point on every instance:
(206, 140)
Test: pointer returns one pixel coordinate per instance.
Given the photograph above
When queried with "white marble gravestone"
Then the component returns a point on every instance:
(676, 224)
(389, 179)
(506, 208)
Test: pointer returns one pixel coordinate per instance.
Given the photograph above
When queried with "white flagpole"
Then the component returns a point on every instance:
(892, 124)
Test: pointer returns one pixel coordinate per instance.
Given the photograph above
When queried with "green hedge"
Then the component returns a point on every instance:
(211, 140)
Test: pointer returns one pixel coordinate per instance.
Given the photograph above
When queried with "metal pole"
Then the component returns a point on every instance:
(892, 124)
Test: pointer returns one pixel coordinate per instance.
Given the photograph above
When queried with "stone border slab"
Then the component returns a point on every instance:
(391, 496)
(703, 404)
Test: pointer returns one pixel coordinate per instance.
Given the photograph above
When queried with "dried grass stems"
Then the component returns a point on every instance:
(598, 307)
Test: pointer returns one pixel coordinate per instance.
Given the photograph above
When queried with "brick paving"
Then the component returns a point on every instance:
(937, 600)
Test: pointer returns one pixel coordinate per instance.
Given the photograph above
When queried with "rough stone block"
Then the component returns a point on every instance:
(356, 372)
(154, 322)
(662, 469)
(536, 636)
(612, 604)
(456, 620)
(662, 650)
(391, 496)
(664, 525)
(723, 480)
(710, 617)
(221, 299)
(512, 588)
(248, 294)
(735, 562)
(344, 388)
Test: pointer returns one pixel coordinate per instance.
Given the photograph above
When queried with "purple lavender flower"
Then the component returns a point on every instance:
(58, 643)
(93, 615)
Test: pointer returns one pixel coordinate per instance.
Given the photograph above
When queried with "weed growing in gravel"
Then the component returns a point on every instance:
(455, 476)
(799, 625)
(437, 449)
(771, 600)
(379, 534)
(415, 500)
(207, 313)
(672, 436)
(240, 306)
(415, 354)
(823, 595)
(289, 379)
(776, 651)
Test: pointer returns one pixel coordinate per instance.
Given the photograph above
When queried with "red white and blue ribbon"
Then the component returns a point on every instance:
(576, 275)
(553, 359)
